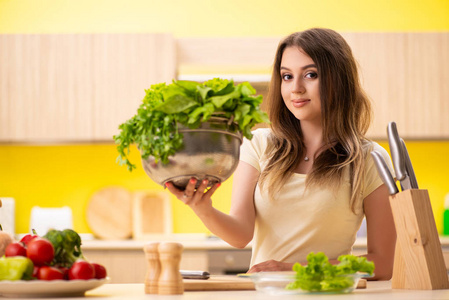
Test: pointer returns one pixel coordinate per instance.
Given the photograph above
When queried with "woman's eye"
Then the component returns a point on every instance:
(286, 77)
(311, 75)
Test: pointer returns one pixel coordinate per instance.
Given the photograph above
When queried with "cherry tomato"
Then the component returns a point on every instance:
(16, 249)
(50, 273)
(35, 271)
(40, 251)
(65, 271)
(28, 238)
(81, 269)
(100, 271)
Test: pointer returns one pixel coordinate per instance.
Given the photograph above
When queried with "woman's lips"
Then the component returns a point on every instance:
(300, 102)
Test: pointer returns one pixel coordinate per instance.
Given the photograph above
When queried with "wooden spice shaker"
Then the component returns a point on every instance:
(154, 268)
(170, 279)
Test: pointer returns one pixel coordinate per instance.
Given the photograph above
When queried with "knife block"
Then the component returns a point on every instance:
(418, 260)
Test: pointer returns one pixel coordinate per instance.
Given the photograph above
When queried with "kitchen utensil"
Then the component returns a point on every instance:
(152, 215)
(219, 283)
(384, 172)
(401, 162)
(187, 274)
(409, 167)
(109, 213)
(210, 152)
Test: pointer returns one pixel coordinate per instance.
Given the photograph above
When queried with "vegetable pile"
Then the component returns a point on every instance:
(56, 255)
(155, 126)
(321, 276)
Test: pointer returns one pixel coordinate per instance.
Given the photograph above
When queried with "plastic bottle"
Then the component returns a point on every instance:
(446, 215)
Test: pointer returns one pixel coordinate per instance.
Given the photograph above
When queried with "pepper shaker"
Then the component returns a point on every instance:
(154, 268)
(170, 279)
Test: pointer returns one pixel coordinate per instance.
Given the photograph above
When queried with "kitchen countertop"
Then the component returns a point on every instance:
(375, 290)
(190, 242)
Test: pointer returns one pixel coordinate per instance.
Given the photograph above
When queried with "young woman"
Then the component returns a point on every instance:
(306, 183)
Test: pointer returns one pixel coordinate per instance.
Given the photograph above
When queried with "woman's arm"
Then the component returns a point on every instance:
(237, 228)
(381, 232)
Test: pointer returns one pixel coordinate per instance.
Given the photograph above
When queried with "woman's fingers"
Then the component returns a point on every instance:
(191, 196)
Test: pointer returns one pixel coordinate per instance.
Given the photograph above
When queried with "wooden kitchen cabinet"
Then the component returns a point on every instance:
(130, 266)
(77, 87)
(404, 73)
(125, 260)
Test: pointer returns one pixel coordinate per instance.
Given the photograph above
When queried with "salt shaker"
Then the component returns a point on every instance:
(154, 268)
(170, 279)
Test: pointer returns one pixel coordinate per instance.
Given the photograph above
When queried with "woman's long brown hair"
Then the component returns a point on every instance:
(345, 112)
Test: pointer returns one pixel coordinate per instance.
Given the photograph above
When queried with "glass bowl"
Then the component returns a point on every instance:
(277, 283)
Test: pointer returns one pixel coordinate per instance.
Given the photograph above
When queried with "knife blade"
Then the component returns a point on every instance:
(409, 167)
(384, 172)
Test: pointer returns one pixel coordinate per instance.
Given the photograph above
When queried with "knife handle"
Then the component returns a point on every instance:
(384, 172)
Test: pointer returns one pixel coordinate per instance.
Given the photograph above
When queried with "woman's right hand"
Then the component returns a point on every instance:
(198, 200)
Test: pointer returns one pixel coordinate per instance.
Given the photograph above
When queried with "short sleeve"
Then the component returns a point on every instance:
(372, 178)
(252, 151)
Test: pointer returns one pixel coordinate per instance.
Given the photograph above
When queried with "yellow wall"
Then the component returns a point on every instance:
(56, 175)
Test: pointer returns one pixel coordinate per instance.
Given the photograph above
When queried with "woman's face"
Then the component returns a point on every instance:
(300, 85)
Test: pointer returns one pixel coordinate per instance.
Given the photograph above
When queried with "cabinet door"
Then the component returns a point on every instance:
(77, 87)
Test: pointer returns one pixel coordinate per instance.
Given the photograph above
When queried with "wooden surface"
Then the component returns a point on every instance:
(77, 87)
(152, 216)
(219, 283)
(404, 73)
(230, 283)
(419, 262)
(376, 290)
(109, 214)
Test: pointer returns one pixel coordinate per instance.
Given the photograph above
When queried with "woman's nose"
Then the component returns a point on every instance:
(298, 87)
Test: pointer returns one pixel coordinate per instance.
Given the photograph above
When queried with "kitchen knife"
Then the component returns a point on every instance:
(396, 151)
(398, 157)
(384, 172)
(187, 274)
(409, 167)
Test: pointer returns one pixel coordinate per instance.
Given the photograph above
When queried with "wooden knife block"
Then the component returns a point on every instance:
(418, 260)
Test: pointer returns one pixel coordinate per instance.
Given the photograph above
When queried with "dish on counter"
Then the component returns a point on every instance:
(276, 283)
(50, 288)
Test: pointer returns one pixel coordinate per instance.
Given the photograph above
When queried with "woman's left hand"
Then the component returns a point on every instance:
(270, 266)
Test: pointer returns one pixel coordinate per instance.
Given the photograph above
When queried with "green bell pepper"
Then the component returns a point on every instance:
(16, 268)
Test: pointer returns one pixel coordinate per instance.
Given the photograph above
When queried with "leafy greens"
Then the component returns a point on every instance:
(321, 275)
(155, 126)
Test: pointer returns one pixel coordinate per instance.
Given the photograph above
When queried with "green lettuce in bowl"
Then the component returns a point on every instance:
(319, 275)
(167, 107)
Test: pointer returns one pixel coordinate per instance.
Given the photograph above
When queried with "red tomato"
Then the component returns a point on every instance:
(81, 269)
(40, 251)
(65, 271)
(50, 273)
(16, 249)
(100, 271)
(35, 271)
(28, 238)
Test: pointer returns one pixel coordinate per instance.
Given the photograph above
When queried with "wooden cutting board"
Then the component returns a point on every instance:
(230, 283)
(109, 213)
(219, 283)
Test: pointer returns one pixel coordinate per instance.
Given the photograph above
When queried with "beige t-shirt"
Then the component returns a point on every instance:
(300, 221)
